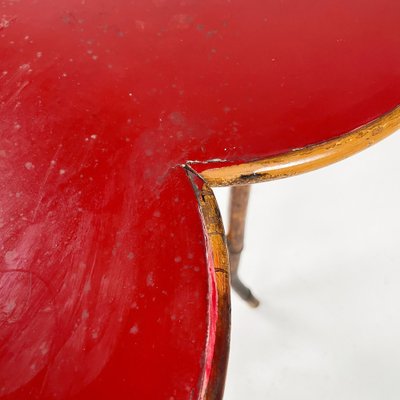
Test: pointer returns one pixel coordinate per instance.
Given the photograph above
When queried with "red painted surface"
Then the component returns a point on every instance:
(104, 287)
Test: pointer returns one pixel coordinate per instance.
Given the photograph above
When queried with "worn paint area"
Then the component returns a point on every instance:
(107, 280)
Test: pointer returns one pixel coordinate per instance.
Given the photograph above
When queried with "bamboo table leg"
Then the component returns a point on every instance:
(238, 208)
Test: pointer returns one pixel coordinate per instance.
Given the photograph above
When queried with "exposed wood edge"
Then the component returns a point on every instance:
(288, 164)
(305, 159)
(217, 255)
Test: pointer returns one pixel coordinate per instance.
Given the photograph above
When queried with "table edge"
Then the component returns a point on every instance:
(305, 159)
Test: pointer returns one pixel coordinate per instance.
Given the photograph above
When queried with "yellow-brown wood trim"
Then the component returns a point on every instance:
(217, 249)
(305, 159)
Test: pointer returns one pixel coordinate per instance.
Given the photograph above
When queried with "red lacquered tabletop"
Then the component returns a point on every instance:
(106, 288)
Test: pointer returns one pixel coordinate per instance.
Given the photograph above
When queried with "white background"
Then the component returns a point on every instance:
(322, 253)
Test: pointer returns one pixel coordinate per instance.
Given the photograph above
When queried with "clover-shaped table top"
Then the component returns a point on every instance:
(106, 285)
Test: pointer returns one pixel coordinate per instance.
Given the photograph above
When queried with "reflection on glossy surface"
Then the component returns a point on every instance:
(104, 282)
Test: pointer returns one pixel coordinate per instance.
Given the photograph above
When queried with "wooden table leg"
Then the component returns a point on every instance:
(237, 220)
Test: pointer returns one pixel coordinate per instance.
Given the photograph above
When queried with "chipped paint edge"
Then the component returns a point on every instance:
(217, 254)
(219, 313)
(305, 159)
